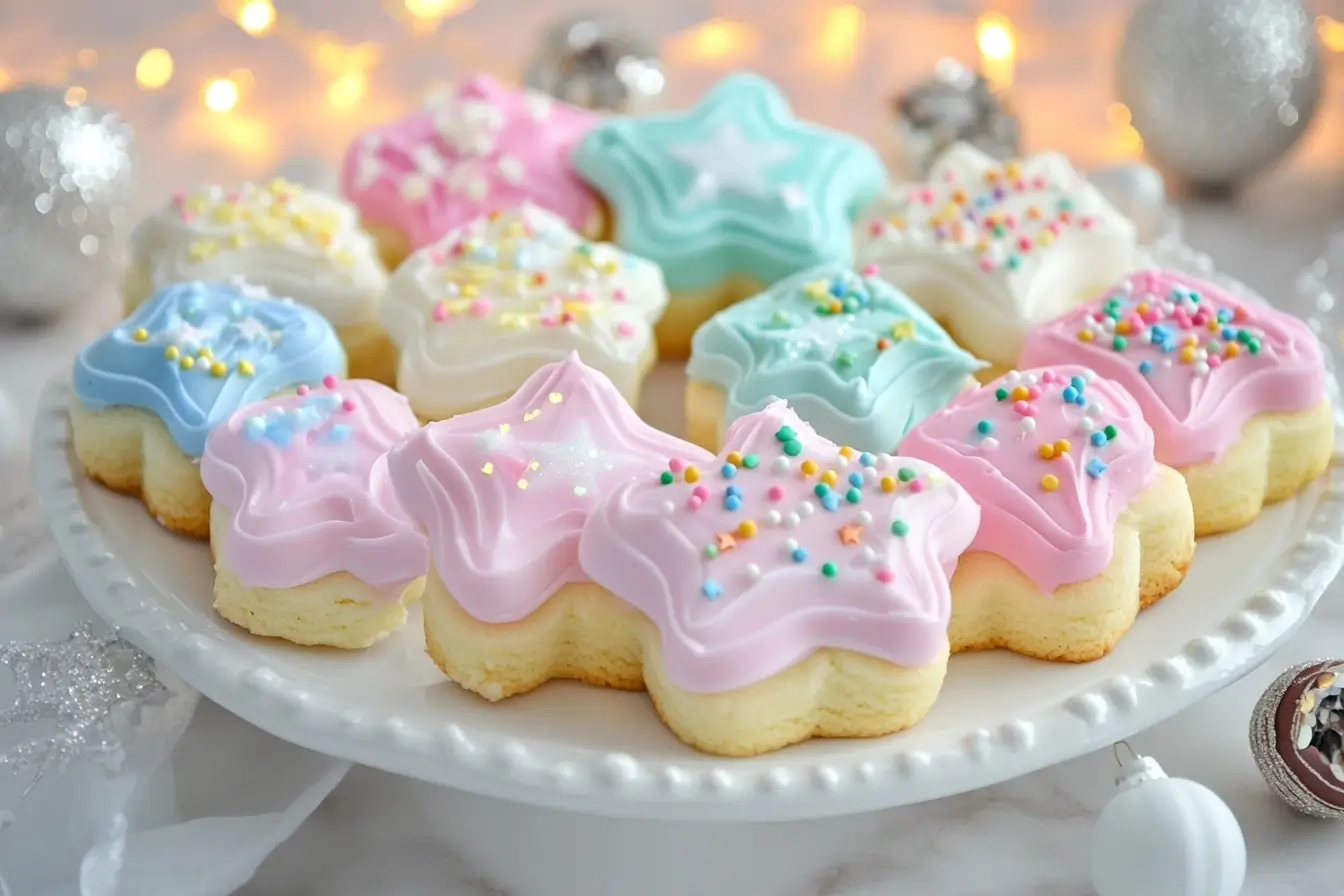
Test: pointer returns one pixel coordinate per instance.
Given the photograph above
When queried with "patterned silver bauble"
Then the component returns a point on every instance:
(1219, 89)
(599, 62)
(954, 104)
(66, 177)
(1297, 736)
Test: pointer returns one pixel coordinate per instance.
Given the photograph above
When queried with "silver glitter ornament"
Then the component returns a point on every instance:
(1138, 192)
(1219, 89)
(76, 685)
(598, 62)
(1297, 736)
(66, 177)
(954, 104)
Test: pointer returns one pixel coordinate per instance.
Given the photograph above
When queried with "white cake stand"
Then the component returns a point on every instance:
(572, 747)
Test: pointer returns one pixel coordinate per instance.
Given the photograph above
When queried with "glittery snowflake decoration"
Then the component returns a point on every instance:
(75, 683)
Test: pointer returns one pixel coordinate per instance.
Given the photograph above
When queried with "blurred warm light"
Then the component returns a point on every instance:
(1331, 32)
(435, 9)
(86, 58)
(715, 40)
(335, 58)
(76, 96)
(221, 94)
(244, 78)
(155, 68)
(6, 78)
(347, 90)
(994, 36)
(256, 17)
(998, 46)
(1131, 141)
(1118, 115)
(841, 31)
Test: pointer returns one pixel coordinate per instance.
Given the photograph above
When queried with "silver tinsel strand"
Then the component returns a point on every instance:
(77, 683)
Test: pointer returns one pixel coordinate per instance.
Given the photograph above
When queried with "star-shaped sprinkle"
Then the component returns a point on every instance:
(850, 533)
(725, 541)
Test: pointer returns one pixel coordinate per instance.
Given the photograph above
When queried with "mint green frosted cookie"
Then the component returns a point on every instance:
(733, 186)
(853, 355)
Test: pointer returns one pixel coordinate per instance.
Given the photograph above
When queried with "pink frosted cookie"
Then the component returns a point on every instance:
(503, 494)
(484, 147)
(1081, 525)
(792, 589)
(1233, 390)
(310, 542)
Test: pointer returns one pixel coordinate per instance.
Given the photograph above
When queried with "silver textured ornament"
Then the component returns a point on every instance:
(66, 178)
(954, 104)
(1219, 89)
(1297, 736)
(600, 62)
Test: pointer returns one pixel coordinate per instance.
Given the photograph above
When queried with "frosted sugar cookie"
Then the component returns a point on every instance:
(1081, 526)
(310, 542)
(478, 312)
(484, 147)
(728, 197)
(292, 241)
(990, 249)
(791, 590)
(148, 392)
(502, 494)
(1234, 390)
(852, 355)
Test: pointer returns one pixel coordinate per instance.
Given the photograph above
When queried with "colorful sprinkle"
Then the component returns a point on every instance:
(828, 569)
(900, 528)
(1049, 482)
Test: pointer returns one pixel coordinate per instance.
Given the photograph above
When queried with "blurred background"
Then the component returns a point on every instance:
(229, 89)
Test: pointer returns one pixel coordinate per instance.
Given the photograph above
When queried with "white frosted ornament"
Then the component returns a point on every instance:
(1163, 836)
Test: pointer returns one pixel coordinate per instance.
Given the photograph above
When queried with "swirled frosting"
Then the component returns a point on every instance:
(304, 478)
(503, 492)
(782, 545)
(1199, 361)
(735, 185)
(1008, 244)
(477, 312)
(196, 352)
(851, 354)
(293, 241)
(484, 147)
(1053, 456)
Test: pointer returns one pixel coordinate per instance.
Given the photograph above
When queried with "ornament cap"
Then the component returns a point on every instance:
(1139, 770)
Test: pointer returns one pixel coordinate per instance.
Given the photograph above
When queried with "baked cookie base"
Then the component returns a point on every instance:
(337, 610)
(687, 309)
(1275, 456)
(994, 604)
(130, 451)
(646, 362)
(369, 353)
(706, 410)
(584, 633)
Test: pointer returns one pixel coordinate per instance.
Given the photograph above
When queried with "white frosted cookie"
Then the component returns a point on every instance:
(477, 313)
(295, 242)
(990, 249)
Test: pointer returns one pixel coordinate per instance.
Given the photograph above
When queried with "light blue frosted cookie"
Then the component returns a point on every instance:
(196, 352)
(854, 356)
(735, 186)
